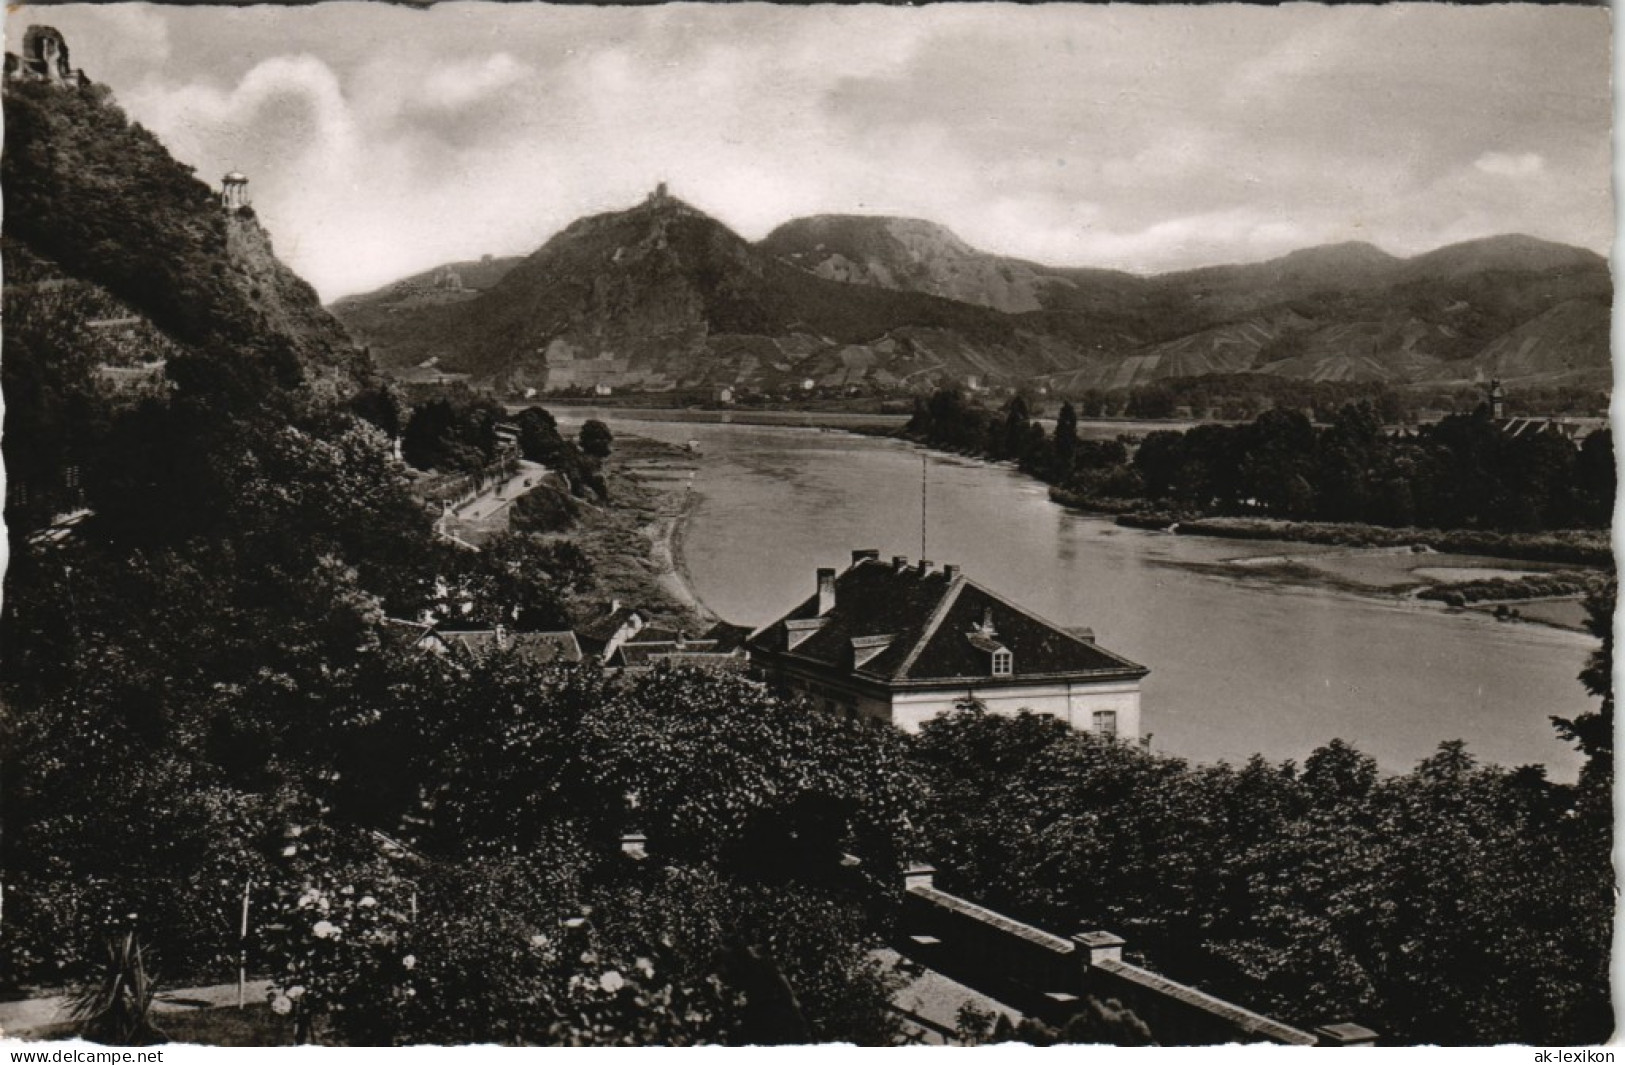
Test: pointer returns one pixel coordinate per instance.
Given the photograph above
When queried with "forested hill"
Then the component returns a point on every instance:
(96, 199)
(897, 304)
(662, 296)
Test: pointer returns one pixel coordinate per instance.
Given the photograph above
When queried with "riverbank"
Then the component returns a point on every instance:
(1514, 577)
(1582, 547)
(633, 539)
(1507, 575)
(876, 422)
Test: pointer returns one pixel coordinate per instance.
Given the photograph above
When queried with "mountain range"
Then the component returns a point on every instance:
(663, 296)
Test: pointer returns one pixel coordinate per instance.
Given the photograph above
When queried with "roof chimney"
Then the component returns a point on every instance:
(925, 567)
(864, 555)
(899, 563)
(826, 591)
(951, 571)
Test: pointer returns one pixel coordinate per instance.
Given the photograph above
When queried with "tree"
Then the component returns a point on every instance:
(1596, 476)
(596, 438)
(1065, 443)
(455, 435)
(1159, 460)
(1017, 417)
(572, 946)
(1330, 892)
(1593, 732)
(539, 437)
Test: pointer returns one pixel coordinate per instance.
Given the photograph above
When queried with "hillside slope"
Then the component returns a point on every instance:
(663, 296)
(127, 281)
(102, 199)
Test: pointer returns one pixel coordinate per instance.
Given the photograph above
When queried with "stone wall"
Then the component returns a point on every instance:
(1050, 977)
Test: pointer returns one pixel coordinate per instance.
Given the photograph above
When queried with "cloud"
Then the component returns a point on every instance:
(381, 141)
(1526, 165)
(458, 85)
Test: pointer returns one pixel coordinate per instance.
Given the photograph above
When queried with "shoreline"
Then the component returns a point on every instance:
(1298, 569)
(656, 469)
(676, 536)
(667, 554)
(1289, 573)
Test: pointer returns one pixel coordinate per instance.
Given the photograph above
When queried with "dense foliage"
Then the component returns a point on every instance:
(1314, 893)
(1244, 396)
(160, 243)
(1461, 472)
(596, 438)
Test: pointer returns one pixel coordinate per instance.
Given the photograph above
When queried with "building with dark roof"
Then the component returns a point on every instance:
(602, 636)
(444, 637)
(903, 643)
(641, 654)
(1572, 431)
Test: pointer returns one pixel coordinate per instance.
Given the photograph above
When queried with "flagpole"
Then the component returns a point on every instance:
(925, 460)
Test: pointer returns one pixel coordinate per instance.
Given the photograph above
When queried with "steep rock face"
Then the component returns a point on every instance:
(102, 199)
(285, 305)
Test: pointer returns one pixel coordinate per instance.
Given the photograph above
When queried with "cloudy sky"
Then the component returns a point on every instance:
(381, 140)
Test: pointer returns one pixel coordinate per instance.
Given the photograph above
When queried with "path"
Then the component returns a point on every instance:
(493, 499)
(19, 1019)
(488, 503)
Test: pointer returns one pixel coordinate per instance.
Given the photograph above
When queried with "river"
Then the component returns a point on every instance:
(1238, 665)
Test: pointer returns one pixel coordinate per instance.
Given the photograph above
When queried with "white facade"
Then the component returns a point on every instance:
(1082, 705)
(1109, 707)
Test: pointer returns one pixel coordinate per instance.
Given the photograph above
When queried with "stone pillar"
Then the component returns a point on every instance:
(1345, 1034)
(918, 874)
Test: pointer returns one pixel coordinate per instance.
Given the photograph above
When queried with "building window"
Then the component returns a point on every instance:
(1001, 663)
(1106, 722)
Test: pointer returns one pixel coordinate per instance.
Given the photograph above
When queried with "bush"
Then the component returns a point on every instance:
(544, 510)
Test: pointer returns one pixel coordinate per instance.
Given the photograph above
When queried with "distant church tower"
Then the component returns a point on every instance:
(234, 191)
(1498, 400)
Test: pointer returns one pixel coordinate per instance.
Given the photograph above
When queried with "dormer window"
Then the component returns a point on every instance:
(866, 648)
(984, 637)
